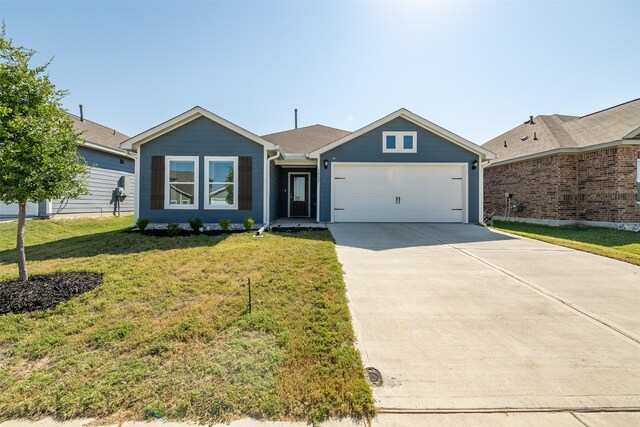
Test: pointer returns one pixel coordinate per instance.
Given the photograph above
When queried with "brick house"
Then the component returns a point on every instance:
(564, 170)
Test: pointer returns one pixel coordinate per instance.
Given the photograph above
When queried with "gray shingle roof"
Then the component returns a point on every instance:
(561, 131)
(306, 139)
(97, 133)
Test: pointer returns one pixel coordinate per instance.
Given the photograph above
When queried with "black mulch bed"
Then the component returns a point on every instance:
(164, 233)
(42, 292)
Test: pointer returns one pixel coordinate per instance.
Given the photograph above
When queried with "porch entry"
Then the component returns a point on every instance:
(299, 194)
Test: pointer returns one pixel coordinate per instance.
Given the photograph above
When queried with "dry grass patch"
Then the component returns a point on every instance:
(168, 334)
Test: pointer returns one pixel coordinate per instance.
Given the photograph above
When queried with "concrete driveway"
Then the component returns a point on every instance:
(459, 317)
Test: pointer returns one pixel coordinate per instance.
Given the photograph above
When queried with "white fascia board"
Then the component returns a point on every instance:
(114, 151)
(568, 150)
(184, 118)
(296, 163)
(420, 121)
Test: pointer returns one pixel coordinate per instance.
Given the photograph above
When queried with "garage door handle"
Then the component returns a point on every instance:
(456, 209)
(337, 177)
(456, 178)
(338, 209)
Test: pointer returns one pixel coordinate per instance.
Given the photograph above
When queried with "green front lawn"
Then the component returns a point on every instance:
(616, 244)
(168, 334)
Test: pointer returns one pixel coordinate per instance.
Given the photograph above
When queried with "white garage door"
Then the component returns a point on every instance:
(398, 193)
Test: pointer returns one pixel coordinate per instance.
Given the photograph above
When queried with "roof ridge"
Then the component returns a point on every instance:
(610, 108)
(557, 131)
(306, 127)
(83, 120)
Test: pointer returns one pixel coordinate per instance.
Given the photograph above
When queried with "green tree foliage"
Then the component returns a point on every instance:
(38, 159)
(229, 197)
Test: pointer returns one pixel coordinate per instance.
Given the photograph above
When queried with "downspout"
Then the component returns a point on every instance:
(268, 192)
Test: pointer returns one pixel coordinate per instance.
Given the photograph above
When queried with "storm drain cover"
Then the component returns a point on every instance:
(375, 377)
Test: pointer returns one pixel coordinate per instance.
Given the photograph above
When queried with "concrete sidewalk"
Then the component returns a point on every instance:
(566, 419)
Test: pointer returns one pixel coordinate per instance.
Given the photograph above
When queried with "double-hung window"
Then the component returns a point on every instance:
(399, 142)
(221, 182)
(181, 182)
(638, 181)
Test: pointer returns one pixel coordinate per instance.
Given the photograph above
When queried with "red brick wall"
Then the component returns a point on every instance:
(594, 186)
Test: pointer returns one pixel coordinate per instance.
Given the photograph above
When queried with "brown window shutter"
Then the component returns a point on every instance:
(244, 183)
(157, 182)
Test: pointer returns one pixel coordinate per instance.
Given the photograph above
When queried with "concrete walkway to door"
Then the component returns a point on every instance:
(459, 317)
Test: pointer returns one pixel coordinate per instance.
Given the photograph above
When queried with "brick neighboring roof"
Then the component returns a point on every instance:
(306, 139)
(97, 133)
(561, 131)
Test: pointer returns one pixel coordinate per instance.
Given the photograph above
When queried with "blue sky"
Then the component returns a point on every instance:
(476, 68)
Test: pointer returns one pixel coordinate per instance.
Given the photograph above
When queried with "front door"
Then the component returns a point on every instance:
(298, 195)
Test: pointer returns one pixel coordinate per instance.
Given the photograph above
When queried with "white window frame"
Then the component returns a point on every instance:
(207, 160)
(637, 180)
(167, 183)
(400, 142)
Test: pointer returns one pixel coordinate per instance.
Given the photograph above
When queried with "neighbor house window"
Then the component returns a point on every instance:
(181, 186)
(399, 142)
(221, 182)
(638, 181)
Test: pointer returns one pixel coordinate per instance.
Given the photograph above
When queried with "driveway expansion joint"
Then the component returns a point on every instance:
(542, 291)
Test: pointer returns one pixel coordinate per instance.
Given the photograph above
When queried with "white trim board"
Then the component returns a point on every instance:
(420, 121)
(167, 183)
(115, 151)
(184, 118)
(205, 190)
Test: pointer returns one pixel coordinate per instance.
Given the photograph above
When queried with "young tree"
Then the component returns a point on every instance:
(38, 159)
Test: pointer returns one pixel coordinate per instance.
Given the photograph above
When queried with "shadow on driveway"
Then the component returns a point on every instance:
(380, 237)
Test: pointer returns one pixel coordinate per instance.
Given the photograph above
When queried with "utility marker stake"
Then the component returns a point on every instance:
(249, 285)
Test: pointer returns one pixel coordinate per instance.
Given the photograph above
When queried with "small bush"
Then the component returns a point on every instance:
(142, 223)
(195, 224)
(248, 223)
(224, 224)
(173, 229)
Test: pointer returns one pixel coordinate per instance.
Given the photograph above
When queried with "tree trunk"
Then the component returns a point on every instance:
(22, 261)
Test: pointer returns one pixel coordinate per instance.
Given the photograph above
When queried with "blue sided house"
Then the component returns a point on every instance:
(400, 168)
(109, 180)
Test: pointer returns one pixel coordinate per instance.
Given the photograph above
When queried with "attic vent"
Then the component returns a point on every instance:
(535, 136)
(530, 121)
(524, 138)
(505, 144)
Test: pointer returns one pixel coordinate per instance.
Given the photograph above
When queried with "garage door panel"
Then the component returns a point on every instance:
(426, 192)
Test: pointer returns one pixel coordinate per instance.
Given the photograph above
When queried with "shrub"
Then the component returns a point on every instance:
(142, 223)
(248, 223)
(224, 224)
(195, 224)
(173, 229)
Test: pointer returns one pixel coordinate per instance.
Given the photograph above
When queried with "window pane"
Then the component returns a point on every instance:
(408, 142)
(299, 190)
(220, 171)
(391, 142)
(221, 194)
(638, 182)
(181, 194)
(181, 171)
